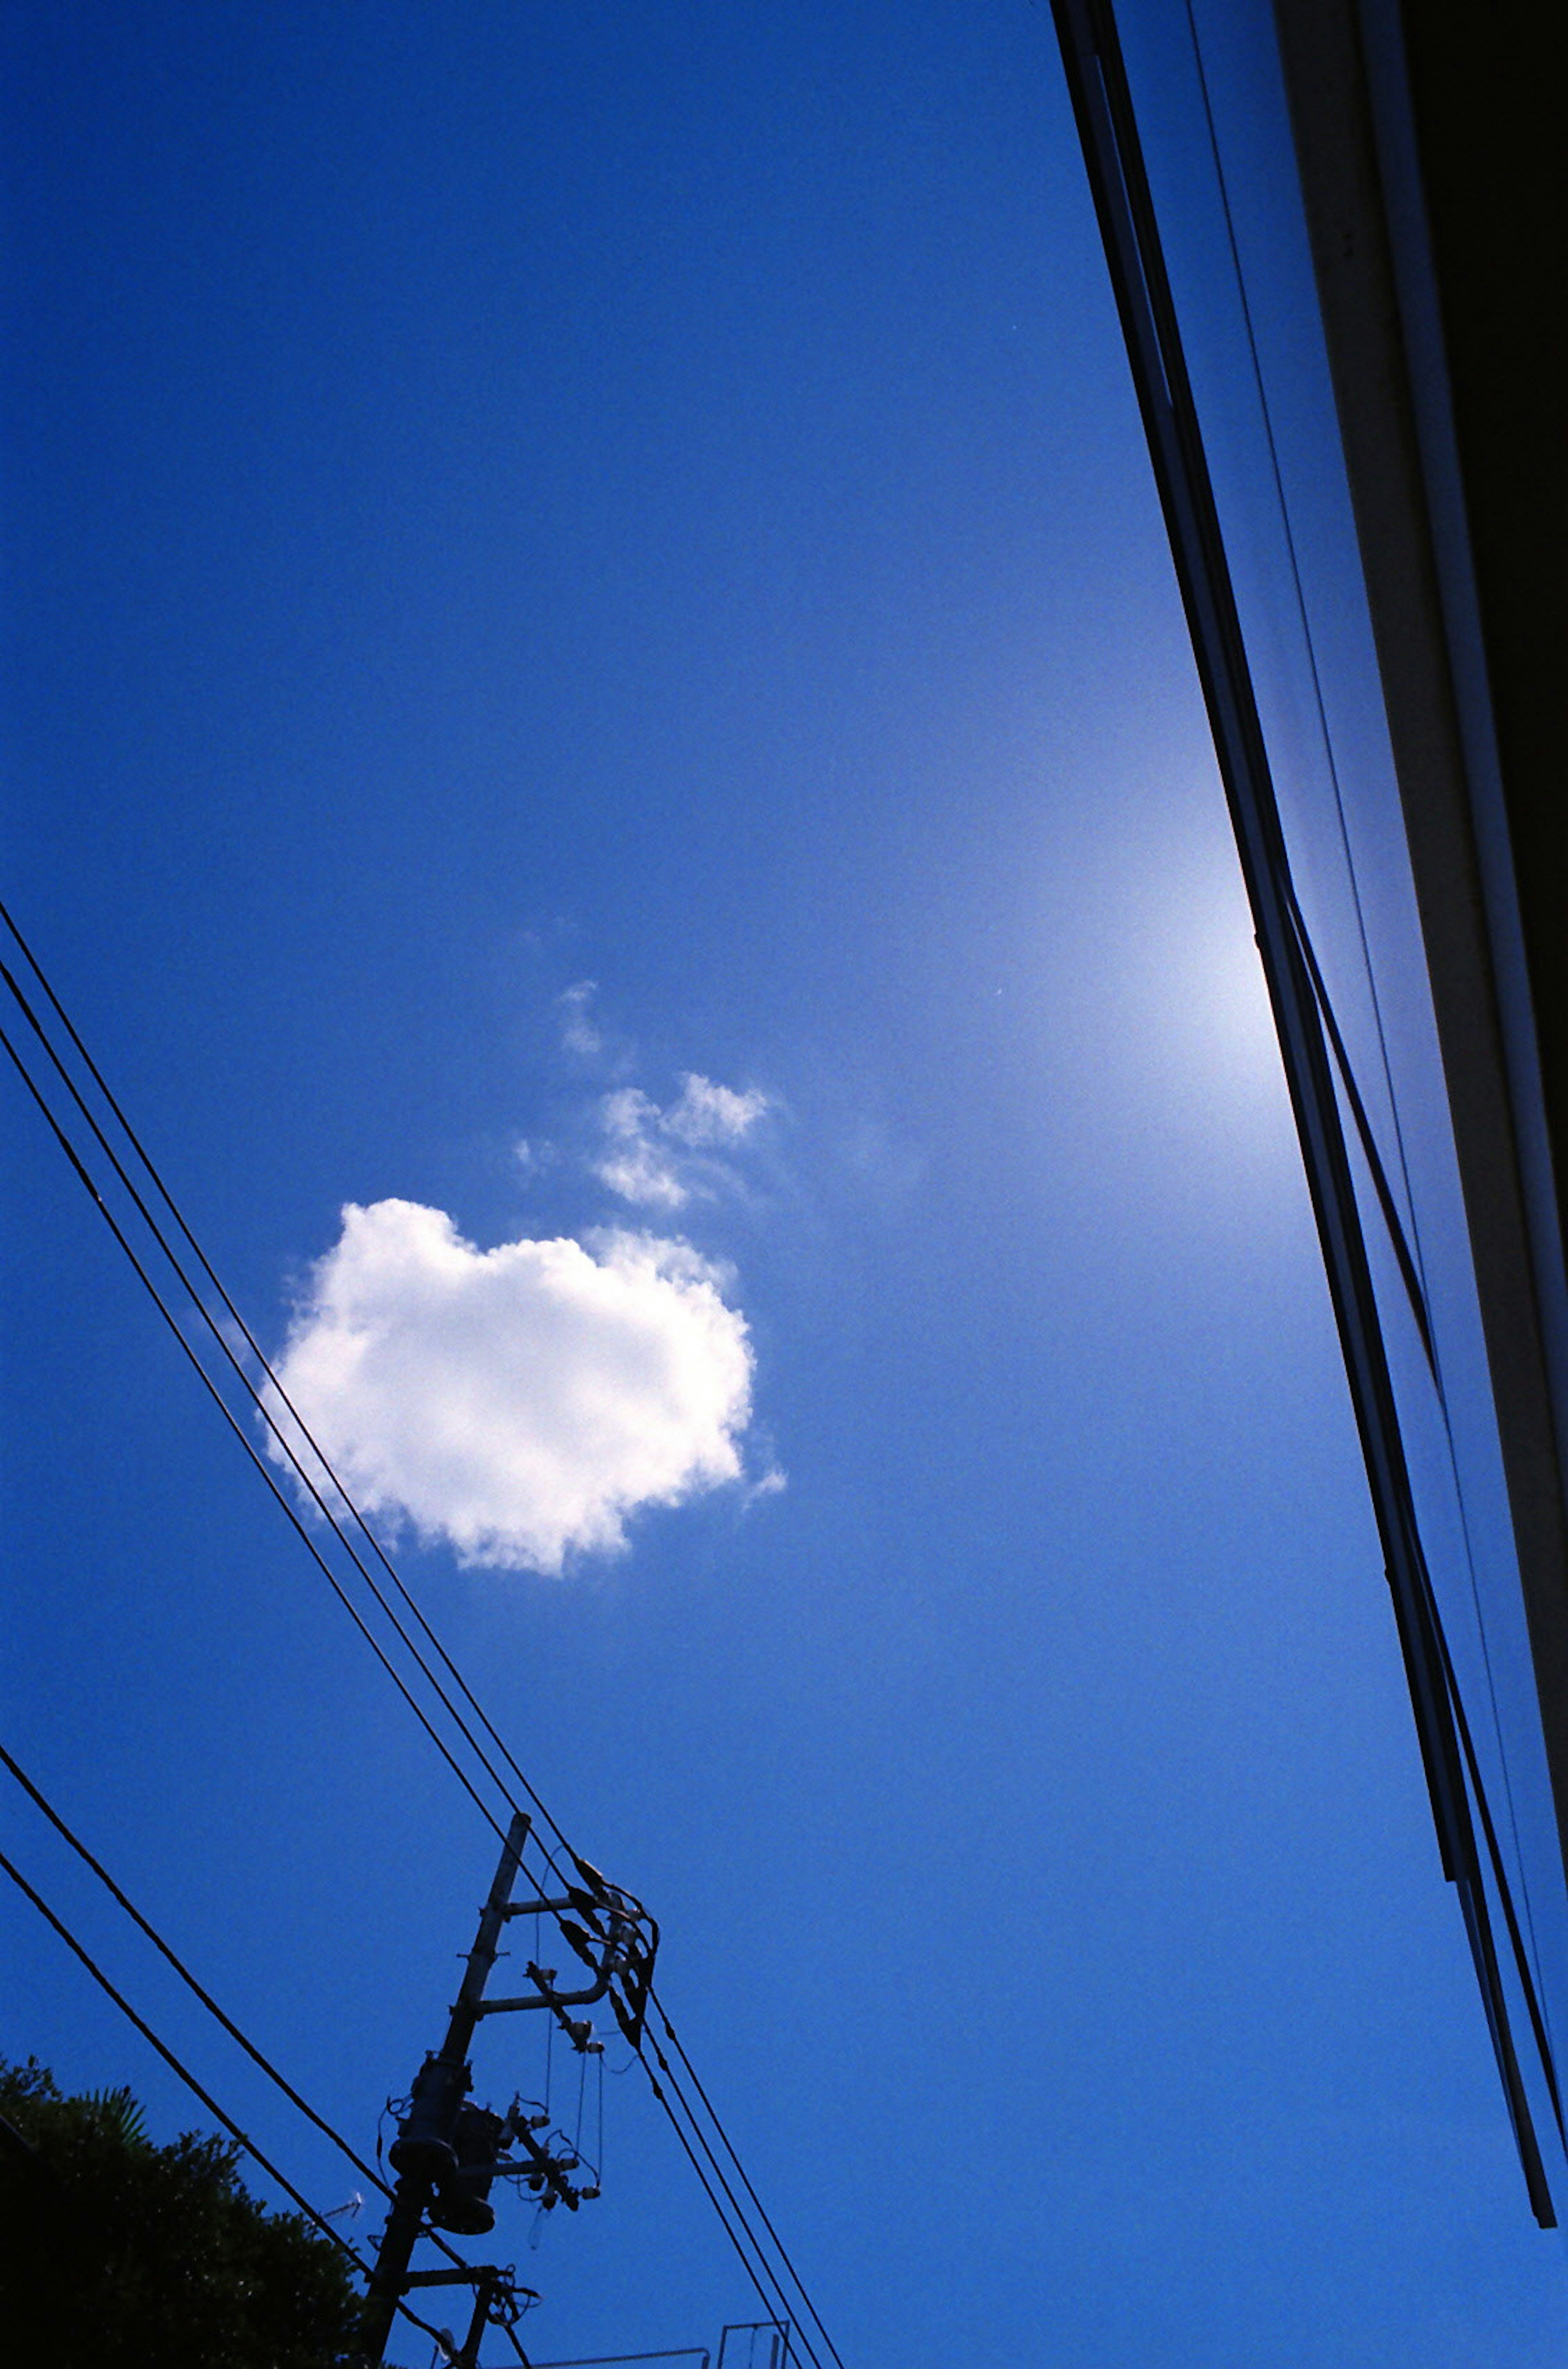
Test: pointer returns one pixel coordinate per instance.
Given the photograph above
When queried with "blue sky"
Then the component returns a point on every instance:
(553, 553)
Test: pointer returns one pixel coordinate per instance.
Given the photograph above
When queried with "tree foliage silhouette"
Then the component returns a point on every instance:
(115, 2251)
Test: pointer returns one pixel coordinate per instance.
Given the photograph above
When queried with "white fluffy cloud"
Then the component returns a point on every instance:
(647, 1154)
(517, 1403)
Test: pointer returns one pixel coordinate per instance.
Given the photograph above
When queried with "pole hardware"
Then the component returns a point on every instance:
(496, 2305)
(449, 2150)
(616, 1940)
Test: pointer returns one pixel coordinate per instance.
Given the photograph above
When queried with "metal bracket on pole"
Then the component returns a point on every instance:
(448, 2151)
(616, 1940)
(496, 2305)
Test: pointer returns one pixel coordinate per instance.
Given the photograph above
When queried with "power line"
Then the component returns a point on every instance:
(329, 1513)
(257, 2057)
(240, 2137)
(159, 1301)
(163, 1193)
(257, 1398)
(756, 2274)
(183, 1971)
(729, 2146)
(227, 1412)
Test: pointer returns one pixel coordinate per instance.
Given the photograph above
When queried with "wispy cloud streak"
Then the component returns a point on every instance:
(660, 1159)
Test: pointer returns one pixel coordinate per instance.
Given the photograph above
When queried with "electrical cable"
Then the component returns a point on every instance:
(329, 1514)
(764, 2297)
(257, 1397)
(240, 2139)
(190, 1980)
(264, 1362)
(80, 1168)
(229, 1416)
(712, 2115)
(226, 2021)
(780, 2298)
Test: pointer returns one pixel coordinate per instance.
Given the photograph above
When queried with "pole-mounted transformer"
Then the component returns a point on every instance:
(448, 2151)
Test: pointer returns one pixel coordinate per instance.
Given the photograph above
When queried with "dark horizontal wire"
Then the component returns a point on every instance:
(327, 1511)
(738, 2208)
(742, 2218)
(194, 2086)
(175, 1211)
(226, 2021)
(208, 2001)
(712, 2110)
(216, 1329)
(330, 1517)
(762, 2296)
(70, 1150)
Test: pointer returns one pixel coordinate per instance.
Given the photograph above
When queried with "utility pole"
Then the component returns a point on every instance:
(447, 2152)
(426, 2147)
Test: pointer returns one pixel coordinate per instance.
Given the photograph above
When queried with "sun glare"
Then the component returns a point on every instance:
(1187, 975)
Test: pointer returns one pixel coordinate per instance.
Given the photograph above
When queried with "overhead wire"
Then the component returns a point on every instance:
(257, 1397)
(276, 1384)
(325, 1506)
(78, 1165)
(674, 2040)
(759, 2273)
(227, 1412)
(199, 1989)
(198, 2090)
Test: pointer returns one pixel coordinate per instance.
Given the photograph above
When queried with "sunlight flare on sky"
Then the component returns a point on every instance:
(1191, 986)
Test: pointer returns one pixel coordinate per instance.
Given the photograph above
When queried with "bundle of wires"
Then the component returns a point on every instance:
(97, 1138)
